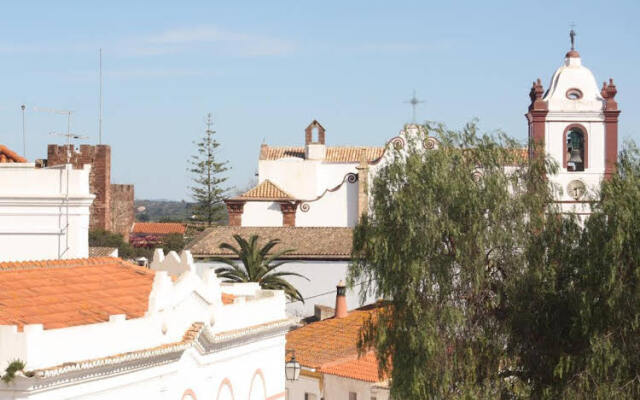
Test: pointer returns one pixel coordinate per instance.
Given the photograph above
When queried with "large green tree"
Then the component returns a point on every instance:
(208, 188)
(447, 229)
(258, 264)
(574, 317)
(492, 291)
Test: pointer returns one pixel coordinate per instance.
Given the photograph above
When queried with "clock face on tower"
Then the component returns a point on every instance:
(576, 189)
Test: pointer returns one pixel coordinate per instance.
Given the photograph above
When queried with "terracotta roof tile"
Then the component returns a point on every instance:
(336, 154)
(9, 156)
(266, 190)
(63, 293)
(323, 343)
(307, 242)
(159, 228)
(364, 368)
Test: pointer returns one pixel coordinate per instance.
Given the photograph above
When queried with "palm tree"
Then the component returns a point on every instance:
(257, 266)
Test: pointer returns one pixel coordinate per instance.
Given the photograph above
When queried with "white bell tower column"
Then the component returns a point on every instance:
(576, 124)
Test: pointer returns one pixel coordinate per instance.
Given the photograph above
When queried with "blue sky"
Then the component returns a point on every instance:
(266, 69)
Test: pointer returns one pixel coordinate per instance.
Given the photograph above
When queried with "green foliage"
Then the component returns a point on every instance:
(173, 242)
(163, 210)
(208, 190)
(143, 217)
(574, 322)
(11, 370)
(257, 265)
(446, 229)
(493, 292)
(102, 238)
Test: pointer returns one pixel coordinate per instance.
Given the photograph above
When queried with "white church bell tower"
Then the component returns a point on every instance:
(576, 124)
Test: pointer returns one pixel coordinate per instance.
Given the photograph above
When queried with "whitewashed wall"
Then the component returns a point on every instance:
(339, 208)
(262, 213)
(334, 387)
(323, 277)
(337, 387)
(304, 179)
(33, 212)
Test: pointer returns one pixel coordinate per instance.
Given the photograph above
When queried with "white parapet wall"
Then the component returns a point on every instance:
(41, 217)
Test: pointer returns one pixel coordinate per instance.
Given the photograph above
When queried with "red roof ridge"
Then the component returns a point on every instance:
(64, 263)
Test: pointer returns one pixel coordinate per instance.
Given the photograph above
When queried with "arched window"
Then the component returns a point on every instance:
(575, 148)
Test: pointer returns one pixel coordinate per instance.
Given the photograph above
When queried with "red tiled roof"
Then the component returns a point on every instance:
(336, 154)
(9, 156)
(323, 343)
(364, 368)
(159, 228)
(266, 190)
(63, 293)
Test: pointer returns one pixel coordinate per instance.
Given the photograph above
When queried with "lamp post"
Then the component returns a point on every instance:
(292, 367)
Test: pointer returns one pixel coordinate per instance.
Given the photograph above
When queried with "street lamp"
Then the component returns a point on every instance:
(292, 367)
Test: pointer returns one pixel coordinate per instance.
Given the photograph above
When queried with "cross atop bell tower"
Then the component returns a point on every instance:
(572, 35)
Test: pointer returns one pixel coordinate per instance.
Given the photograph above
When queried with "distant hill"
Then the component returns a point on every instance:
(163, 210)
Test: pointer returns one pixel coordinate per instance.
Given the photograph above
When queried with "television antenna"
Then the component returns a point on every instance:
(68, 167)
(24, 135)
(100, 103)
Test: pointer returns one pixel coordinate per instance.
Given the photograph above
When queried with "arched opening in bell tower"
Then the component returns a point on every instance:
(575, 148)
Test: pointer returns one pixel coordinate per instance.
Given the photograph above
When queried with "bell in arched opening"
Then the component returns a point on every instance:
(575, 150)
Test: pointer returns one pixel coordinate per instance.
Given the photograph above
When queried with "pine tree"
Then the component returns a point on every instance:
(209, 176)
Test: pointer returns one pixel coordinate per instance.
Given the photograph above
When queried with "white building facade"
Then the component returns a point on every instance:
(574, 122)
(44, 212)
(194, 338)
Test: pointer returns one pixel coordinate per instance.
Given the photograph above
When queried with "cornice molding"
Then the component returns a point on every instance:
(203, 341)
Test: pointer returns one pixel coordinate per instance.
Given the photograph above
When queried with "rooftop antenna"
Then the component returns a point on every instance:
(100, 103)
(65, 229)
(24, 137)
(572, 35)
(414, 101)
(68, 135)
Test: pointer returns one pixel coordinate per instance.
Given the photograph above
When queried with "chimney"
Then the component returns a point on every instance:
(341, 301)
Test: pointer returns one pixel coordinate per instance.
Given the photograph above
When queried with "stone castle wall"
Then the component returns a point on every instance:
(112, 209)
(99, 179)
(122, 212)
